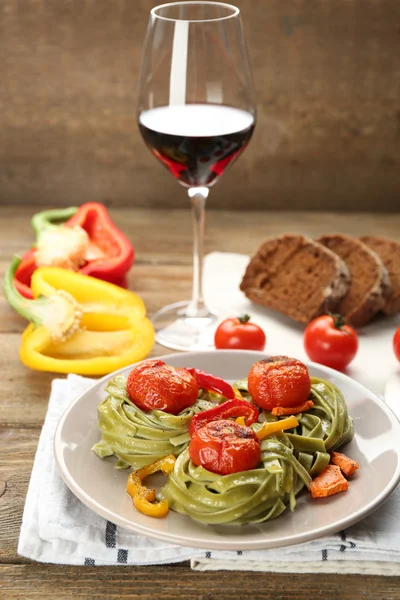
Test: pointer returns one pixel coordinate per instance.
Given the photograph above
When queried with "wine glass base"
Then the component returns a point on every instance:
(174, 329)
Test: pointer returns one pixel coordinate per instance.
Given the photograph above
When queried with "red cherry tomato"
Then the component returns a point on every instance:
(279, 381)
(153, 385)
(225, 447)
(327, 340)
(396, 343)
(239, 334)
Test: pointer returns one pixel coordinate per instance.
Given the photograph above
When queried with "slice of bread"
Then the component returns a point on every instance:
(389, 252)
(296, 276)
(370, 284)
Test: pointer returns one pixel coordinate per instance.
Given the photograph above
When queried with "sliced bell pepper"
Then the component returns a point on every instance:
(212, 383)
(79, 324)
(143, 498)
(51, 219)
(109, 254)
(269, 427)
(237, 393)
(41, 221)
(117, 251)
(230, 408)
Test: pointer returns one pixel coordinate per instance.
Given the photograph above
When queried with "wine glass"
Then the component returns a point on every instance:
(196, 113)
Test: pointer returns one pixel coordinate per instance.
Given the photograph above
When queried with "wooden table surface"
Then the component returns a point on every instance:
(161, 274)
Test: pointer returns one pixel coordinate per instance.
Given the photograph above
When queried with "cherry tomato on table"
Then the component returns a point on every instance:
(224, 447)
(279, 381)
(239, 333)
(153, 385)
(396, 343)
(328, 341)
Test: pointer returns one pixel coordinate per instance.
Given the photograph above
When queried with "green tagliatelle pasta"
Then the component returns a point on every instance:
(137, 437)
(250, 496)
(327, 422)
(288, 462)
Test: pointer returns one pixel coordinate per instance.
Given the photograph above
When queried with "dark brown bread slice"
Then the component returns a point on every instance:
(295, 276)
(370, 282)
(389, 252)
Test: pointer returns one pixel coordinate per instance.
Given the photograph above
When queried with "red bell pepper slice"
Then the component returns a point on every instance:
(230, 408)
(117, 249)
(116, 252)
(212, 383)
(23, 274)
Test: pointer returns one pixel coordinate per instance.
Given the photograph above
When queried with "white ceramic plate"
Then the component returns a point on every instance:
(376, 446)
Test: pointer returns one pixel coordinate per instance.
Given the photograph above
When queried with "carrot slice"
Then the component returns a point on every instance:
(347, 465)
(292, 410)
(330, 481)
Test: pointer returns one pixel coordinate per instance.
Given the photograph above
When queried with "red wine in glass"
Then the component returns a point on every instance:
(196, 142)
(196, 112)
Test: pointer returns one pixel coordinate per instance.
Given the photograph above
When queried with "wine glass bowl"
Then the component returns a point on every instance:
(196, 113)
(206, 138)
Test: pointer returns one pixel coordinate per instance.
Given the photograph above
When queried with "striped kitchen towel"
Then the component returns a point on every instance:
(58, 528)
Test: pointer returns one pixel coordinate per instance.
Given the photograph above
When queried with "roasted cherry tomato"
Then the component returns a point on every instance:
(225, 447)
(153, 385)
(396, 343)
(279, 381)
(327, 340)
(239, 334)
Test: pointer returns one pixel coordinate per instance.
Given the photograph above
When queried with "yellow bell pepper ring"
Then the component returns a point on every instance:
(87, 352)
(143, 498)
(79, 324)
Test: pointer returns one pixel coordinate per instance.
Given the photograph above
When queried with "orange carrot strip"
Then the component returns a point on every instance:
(347, 465)
(330, 481)
(292, 410)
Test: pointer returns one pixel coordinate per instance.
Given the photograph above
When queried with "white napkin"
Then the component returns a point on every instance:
(58, 528)
(375, 360)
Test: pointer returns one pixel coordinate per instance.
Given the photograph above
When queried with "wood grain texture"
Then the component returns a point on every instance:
(162, 273)
(164, 236)
(15, 476)
(170, 583)
(327, 78)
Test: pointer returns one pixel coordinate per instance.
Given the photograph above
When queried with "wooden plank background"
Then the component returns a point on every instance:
(327, 74)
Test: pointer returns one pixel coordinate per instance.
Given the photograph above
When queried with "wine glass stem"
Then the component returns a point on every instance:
(197, 306)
